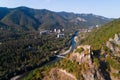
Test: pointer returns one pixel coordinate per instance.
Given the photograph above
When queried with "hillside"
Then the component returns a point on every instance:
(99, 36)
(100, 60)
(24, 18)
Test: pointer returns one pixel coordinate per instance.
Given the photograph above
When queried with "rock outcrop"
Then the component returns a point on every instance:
(83, 55)
(116, 39)
(114, 44)
(59, 74)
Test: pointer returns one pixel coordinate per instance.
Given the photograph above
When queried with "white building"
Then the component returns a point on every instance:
(60, 35)
(58, 31)
(63, 30)
(55, 30)
(44, 32)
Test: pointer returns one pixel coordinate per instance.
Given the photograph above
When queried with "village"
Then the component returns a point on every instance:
(60, 33)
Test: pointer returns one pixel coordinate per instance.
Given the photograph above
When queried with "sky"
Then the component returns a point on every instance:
(107, 8)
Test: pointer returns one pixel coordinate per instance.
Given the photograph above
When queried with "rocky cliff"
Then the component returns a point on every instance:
(84, 56)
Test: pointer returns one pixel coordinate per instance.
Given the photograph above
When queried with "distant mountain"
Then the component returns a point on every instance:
(20, 19)
(24, 18)
(85, 20)
(3, 12)
(2, 26)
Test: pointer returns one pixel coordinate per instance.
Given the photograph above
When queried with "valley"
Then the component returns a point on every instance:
(40, 44)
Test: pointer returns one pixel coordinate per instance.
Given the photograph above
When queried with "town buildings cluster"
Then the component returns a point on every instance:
(59, 32)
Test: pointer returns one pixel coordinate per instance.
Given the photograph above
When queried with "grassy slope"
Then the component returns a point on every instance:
(99, 36)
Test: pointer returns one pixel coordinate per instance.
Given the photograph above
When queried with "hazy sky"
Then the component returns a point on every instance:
(107, 8)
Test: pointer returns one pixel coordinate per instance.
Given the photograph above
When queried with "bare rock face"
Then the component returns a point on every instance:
(83, 55)
(59, 74)
(110, 45)
(113, 44)
(116, 39)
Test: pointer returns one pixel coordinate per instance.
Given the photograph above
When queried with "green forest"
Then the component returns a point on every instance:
(22, 53)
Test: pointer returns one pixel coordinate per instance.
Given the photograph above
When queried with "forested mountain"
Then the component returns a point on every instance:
(24, 18)
(84, 20)
(3, 12)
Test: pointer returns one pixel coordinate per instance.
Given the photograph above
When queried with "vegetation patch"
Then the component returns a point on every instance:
(97, 63)
(79, 50)
(116, 75)
(113, 63)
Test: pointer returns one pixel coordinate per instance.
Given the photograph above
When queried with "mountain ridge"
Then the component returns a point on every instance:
(34, 19)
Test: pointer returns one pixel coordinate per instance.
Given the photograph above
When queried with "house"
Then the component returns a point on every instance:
(58, 31)
(55, 30)
(60, 35)
(44, 32)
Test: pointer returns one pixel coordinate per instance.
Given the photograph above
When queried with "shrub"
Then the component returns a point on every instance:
(96, 62)
(79, 50)
(113, 63)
